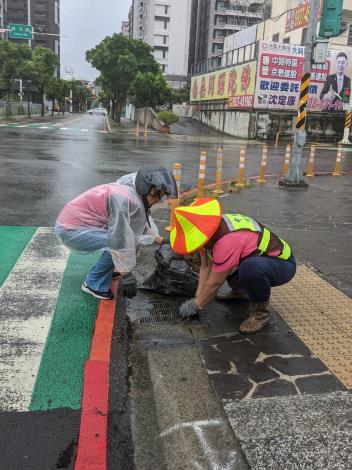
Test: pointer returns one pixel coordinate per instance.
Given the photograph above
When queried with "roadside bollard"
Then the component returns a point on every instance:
(145, 130)
(177, 169)
(261, 178)
(201, 177)
(287, 159)
(218, 179)
(240, 177)
(310, 168)
(337, 171)
(137, 130)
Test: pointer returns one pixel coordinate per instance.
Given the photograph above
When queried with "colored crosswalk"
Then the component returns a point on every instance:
(47, 322)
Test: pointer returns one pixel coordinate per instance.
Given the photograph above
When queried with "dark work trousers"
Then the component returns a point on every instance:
(256, 275)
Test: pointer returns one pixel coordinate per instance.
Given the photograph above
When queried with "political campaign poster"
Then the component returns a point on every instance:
(280, 70)
(236, 84)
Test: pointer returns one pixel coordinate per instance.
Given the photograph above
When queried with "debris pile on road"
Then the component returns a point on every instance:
(174, 274)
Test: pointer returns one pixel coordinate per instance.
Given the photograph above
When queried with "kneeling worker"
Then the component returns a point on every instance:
(233, 248)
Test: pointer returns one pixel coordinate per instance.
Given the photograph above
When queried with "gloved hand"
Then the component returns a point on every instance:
(165, 241)
(128, 285)
(188, 309)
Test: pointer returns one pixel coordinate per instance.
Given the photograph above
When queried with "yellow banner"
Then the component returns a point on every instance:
(237, 83)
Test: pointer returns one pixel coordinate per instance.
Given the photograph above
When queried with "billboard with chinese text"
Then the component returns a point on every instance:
(280, 69)
(236, 83)
(299, 17)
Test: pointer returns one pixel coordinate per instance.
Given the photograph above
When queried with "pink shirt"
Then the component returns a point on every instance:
(231, 248)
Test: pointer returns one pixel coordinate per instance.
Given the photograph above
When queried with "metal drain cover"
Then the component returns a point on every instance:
(158, 312)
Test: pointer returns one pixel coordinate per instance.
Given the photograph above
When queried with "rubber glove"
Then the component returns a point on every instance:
(188, 309)
(128, 285)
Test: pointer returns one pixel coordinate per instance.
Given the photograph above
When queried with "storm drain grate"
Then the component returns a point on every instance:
(160, 311)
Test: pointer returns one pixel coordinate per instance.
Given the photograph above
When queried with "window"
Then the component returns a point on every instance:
(286, 40)
(276, 37)
(349, 38)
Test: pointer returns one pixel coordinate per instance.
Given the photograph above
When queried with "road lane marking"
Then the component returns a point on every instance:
(44, 127)
(27, 301)
(84, 130)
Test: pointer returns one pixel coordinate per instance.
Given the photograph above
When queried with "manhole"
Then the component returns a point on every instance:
(159, 311)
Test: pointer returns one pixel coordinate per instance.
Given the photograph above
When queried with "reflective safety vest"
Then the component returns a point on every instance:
(267, 241)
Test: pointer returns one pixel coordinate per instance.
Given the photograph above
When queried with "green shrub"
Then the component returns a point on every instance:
(167, 117)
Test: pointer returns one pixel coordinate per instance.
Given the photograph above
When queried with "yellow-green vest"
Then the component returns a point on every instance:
(236, 222)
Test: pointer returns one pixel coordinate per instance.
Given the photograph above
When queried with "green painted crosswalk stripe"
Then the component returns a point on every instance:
(13, 240)
(60, 376)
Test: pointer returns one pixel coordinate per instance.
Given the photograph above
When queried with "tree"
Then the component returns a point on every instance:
(182, 95)
(119, 59)
(82, 96)
(150, 89)
(12, 60)
(57, 90)
(41, 68)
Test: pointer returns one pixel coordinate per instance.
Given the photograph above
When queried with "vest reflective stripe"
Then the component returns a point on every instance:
(236, 222)
(264, 242)
(286, 251)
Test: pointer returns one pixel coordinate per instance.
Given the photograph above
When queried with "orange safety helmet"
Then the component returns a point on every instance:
(195, 225)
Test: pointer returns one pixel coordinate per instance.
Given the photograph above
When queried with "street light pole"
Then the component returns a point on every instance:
(295, 178)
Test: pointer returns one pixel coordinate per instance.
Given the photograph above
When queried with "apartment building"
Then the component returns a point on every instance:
(165, 25)
(43, 15)
(216, 19)
(125, 28)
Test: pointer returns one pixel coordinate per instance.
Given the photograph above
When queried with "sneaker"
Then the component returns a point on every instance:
(257, 320)
(98, 295)
(116, 275)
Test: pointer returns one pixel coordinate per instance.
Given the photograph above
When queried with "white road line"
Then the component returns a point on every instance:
(24, 125)
(84, 130)
(104, 132)
(64, 128)
(44, 127)
(27, 302)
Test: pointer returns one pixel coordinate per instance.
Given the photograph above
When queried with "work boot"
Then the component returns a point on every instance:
(257, 320)
(234, 294)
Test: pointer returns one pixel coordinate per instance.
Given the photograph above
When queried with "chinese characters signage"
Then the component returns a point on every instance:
(235, 84)
(279, 75)
(299, 17)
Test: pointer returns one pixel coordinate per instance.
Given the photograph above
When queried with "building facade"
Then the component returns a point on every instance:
(253, 91)
(43, 15)
(125, 28)
(165, 25)
(216, 19)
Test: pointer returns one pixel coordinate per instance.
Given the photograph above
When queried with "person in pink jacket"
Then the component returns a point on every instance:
(113, 219)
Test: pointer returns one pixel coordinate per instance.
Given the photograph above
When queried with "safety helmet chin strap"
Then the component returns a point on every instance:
(146, 207)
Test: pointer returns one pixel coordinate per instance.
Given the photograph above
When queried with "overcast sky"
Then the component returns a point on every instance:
(85, 26)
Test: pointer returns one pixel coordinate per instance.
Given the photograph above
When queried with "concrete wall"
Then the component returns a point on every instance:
(183, 110)
(265, 125)
(143, 115)
(235, 123)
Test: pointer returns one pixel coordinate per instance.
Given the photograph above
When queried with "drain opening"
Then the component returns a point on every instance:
(159, 311)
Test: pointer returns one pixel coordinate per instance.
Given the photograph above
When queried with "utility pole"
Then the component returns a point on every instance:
(295, 178)
(29, 19)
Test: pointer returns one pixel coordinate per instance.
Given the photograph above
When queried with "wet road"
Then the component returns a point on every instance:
(45, 165)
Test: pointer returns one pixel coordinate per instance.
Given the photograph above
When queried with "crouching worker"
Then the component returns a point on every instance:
(114, 219)
(233, 248)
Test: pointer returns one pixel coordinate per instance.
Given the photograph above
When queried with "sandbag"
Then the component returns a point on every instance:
(173, 275)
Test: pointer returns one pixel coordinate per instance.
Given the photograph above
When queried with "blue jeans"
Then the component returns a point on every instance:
(91, 240)
(258, 274)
